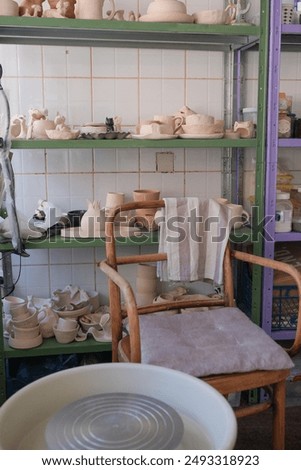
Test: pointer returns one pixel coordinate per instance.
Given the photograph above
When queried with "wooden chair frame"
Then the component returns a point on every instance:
(274, 380)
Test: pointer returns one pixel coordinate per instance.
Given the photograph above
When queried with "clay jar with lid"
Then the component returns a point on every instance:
(284, 212)
(284, 125)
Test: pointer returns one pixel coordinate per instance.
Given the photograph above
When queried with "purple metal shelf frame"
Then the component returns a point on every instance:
(289, 35)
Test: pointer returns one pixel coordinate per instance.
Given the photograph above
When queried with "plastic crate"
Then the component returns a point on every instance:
(285, 300)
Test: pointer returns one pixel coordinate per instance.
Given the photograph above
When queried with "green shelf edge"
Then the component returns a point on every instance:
(50, 347)
(127, 26)
(132, 143)
(148, 238)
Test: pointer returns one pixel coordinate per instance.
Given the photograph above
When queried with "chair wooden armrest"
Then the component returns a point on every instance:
(279, 266)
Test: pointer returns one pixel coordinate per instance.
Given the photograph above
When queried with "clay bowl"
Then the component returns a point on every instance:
(24, 343)
(28, 322)
(73, 313)
(11, 301)
(211, 17)
(26, 333)
(65, 336)
(62, 134)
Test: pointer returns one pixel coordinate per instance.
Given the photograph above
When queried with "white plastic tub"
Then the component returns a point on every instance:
(209, 421)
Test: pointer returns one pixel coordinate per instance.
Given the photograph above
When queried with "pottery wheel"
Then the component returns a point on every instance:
(115, 421)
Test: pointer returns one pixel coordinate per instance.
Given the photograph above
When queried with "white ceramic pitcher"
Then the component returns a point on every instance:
(92, 9)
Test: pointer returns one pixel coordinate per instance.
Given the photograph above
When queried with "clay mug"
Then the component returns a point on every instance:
(66, 324)
(174, 123)
(9, 8)
(11, 301)
(146, 195)
(155, 128)
(245, 129)
(26, 333)
(114, 199)
(239, 216)
(185, 111)
(92, 9)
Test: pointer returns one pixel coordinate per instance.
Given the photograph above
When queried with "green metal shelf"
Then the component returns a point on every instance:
(51, 347)
(145, 238)
(133, 143)
(105, 33)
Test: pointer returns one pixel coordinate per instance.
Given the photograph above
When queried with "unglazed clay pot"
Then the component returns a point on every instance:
(145, 217)
(92, 9)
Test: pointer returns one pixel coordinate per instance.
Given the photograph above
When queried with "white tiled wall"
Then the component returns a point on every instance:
(87, 84)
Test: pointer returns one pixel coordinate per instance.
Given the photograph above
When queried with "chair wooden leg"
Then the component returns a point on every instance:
(279, 415)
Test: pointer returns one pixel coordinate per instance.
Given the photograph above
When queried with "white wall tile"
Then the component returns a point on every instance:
(78, 62)
(55, 61)
(9, 60)
(79, 101)
(29, 61)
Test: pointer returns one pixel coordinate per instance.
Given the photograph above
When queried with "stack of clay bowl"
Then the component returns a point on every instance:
(146, 284)
(202, 125)
(24, 329)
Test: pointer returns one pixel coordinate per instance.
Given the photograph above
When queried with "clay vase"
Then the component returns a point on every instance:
(92, 10)
(145, 217)
(146, 283)
(70, 9)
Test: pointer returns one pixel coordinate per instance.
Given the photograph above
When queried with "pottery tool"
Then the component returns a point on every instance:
(8, 176)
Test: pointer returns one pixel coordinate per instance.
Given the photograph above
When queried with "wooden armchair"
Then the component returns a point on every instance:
(220, 345)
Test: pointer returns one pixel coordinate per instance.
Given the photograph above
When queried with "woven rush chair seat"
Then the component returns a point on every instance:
(220, 345)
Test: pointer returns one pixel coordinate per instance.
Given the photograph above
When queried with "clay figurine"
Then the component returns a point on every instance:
(31, 8)
(62, 7)
(38, 124)
(18, 127)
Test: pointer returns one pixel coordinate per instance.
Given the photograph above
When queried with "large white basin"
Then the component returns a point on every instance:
(209, 421)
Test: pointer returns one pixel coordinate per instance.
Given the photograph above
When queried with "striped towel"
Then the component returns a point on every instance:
(194, 234)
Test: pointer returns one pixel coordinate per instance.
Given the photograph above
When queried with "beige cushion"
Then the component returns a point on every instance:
(212, 342)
